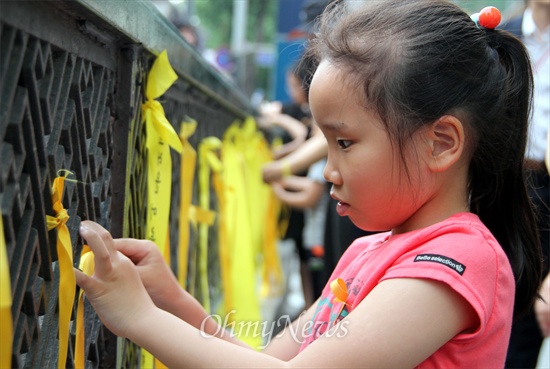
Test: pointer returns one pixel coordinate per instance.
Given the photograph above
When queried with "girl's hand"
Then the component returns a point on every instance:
(115, 290)
(157, 277)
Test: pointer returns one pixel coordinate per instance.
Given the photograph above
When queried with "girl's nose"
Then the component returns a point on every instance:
(331, 174)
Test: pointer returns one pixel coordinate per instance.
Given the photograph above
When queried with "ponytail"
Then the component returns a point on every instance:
(498, 188)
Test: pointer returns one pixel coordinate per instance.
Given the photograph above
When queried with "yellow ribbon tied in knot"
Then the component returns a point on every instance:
(67, 282)
(160, 137)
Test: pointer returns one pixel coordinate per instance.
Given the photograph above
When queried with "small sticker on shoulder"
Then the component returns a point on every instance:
(434, 258)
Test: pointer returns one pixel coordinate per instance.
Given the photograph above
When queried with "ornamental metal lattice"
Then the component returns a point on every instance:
(71, 87)
(55, 116)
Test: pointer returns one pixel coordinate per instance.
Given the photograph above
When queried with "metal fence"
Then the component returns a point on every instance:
(71, 79)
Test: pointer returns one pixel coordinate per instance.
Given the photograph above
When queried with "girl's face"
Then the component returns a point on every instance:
(368, 176)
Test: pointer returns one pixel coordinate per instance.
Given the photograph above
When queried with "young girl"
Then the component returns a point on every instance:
(425, 114)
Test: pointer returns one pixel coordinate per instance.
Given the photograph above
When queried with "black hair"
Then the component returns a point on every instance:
(418, 60)
(304, 70)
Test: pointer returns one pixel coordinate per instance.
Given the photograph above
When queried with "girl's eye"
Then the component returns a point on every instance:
(344, 144)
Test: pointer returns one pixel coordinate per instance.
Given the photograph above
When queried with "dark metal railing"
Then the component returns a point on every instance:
(72, 76)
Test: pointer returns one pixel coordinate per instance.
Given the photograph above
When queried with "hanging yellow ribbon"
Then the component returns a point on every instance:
(262, 206)
(272, 272)
(266, 223)
(67, 283)
(242, 295)
(160, 137)
(86, 265)
(223, 245)
(187, 175)
(188, 212)
(6, 323)
(208, 162)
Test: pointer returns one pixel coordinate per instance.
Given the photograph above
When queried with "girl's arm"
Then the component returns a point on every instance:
(162, 286)
(399, 324)
(165, 292)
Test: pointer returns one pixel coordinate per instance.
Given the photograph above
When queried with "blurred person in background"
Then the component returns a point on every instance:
(292, 122)
(189, 32)
(311, 194)
(339, 231)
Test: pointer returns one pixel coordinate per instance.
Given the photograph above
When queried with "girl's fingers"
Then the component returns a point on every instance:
(134, 249)
(103, 233)
(83, 281)
(102, 256)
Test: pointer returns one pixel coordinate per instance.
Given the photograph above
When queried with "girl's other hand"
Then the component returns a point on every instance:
(157, 277)
(115, 290)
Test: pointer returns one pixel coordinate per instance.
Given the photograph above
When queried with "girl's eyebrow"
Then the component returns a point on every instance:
(334, 126)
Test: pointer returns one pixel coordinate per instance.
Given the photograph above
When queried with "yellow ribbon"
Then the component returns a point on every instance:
(187, 175)
(208, 162)
(263, 206)
(240, 293)
(86, 265)
(67, 283)
(188, 212)
(160, 137)
(250, 226)
(260, 153)
(6, 322)
(272, 273)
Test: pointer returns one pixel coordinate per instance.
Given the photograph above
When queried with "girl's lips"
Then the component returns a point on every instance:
(342, 208)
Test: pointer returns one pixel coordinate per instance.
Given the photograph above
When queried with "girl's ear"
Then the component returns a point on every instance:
(446, 143)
